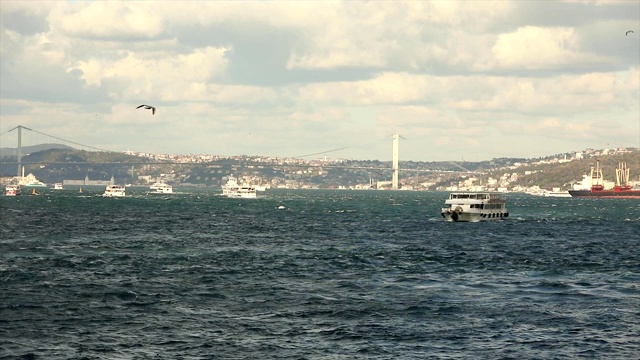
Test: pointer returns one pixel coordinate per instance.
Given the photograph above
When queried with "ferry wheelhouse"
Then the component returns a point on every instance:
(475, 207)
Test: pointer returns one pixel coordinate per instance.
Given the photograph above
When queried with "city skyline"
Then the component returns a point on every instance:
(473, 80)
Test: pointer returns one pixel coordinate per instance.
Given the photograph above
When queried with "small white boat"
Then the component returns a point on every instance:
(556, 192)
(161, 188)
(35, 184)
(12, 190)
(58, 186)
(475, 207)
(234, 190)
(114, 191)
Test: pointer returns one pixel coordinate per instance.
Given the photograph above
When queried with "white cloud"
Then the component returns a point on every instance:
(108, 20)
(441, 73)
(176, 77)
(385, 88)
(38, 8)
(532, 47)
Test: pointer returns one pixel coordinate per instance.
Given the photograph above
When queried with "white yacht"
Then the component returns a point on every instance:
(58, 186)
(114, 191)
(475, 207)
(35, 184)
(235, 190)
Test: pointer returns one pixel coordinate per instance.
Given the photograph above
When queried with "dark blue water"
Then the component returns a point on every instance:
(336, 275)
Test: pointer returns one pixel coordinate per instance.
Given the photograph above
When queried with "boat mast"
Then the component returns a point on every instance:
(622, 174)
(596, 175)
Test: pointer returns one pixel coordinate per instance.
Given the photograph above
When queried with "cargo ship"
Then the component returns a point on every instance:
(595, 185)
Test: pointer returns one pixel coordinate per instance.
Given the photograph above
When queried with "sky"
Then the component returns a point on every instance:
(458, 80)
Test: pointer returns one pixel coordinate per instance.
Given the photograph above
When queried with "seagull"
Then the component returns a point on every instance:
(627, 33)
(153, 110)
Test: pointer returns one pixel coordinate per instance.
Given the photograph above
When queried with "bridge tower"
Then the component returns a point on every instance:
(19, 150)
(394, 184)
(19, 127)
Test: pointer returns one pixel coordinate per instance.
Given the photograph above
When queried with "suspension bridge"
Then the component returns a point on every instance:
(395, 165)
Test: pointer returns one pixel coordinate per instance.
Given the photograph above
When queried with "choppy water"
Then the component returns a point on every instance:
(336, 275)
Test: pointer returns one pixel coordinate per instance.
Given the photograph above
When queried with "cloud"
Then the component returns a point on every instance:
(176, 77)
(23, 17)
(303, 77)
(108, 20)
(533, 47)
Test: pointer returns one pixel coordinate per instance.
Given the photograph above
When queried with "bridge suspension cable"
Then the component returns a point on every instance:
(342, 148)
(58, 138)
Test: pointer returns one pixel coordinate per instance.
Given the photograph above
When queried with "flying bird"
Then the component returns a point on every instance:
(153, 110)
(627, 33)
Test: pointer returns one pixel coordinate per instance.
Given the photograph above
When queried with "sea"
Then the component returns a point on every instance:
(315, 274)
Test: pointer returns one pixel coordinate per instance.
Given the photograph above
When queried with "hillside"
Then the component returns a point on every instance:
(565, 174)
(9, 152)
(56, 165)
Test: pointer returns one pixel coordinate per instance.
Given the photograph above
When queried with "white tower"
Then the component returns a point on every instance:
(394, 185)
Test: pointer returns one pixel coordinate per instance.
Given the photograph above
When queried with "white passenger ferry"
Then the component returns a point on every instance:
(161, 188)
(114, 191)
(475, 206)
(12, 190)
(234, 190)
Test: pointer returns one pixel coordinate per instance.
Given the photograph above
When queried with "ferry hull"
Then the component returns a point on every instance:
(35, 185)
(625, 194)
(453, 216)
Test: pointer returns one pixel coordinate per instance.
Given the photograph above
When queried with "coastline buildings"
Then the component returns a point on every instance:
(202, 170)
(87, 182)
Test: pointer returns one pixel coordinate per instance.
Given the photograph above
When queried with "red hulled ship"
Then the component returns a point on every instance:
(622, 188)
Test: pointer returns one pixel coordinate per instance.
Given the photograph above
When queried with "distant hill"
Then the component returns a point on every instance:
(564, 174)
(59, 162)
(8, 152)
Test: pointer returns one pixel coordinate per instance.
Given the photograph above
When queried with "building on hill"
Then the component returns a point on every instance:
(87, 182)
